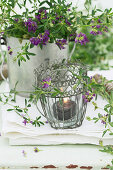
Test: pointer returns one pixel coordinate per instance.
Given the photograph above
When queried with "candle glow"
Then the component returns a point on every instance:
(65, 100)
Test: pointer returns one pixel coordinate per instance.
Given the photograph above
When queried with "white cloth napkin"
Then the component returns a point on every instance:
(19, 134)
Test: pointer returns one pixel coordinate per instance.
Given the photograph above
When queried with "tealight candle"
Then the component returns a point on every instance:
(64, 110)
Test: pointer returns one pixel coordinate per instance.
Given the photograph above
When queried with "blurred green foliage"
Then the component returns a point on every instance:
(98, 49)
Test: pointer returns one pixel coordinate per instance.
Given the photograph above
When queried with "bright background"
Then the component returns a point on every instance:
(103, 4)
(99, 3)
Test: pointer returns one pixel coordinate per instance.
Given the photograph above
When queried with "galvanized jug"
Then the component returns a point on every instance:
(24, 74)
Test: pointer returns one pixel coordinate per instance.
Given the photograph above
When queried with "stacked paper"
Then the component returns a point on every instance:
(19, 134)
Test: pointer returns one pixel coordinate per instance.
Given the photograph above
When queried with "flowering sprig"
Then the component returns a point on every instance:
(41, 39)
(61, 43)
(42, 14)
(46, 83)
(31, 25)
(99, 28)
(88, 96)
(81, 38)
(10, 51)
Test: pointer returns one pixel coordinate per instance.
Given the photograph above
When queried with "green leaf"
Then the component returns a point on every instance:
(54, 94)
(104, 132)
(27, 57)
(24, 2)
(99, 10)
(25, 102)
(111, 124)
(19, 62)
(31, 45)
(9, 110)
(93, 12)
(38, 118)
(42, 3)
(29, 105)
(33, 54)
(106, 110)
(19, 110)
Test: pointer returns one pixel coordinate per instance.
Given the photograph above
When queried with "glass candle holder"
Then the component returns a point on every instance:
(67, 110)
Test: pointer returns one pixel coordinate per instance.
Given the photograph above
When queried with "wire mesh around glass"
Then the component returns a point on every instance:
(67, 110)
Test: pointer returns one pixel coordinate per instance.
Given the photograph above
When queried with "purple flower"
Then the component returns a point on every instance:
(46, 83)
(42, 14)
(99, 21)
(102, 121)
(41, 39)
(81, 38)
(83, 96)
(53, 22)
(36, 149)
(32, 25)
(61, 43)
(24, 153)
(2, 33)
(72, 35)
(98, 26)
(87, 93)
(86, 100)
(25, 122)
(69, 10)
(105, 29)
(10, 50)
(57, 18)
(95, 32)
(104, 118)
(67, 22)
(16, 19)
(88, 96)
(46, 121)
(31, 122)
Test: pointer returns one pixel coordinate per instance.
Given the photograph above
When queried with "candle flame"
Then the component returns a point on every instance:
(65, 100)
(61, 89)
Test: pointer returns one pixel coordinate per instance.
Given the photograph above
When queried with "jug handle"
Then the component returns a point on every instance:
(2, 57)
(73, 49)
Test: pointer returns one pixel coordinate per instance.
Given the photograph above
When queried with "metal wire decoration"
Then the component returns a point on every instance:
(65, 110)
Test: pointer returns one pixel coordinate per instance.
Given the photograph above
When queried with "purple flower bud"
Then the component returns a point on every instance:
(99, 21)
(16, 19)
(24, 153)
(93, 32)
(10, 50)
(31, 122)
(98, 26)
(46, 82)
(53, 22)
(86, 100)
(25, 122)
(61, 43)
(32, 25)
(81, 38)
(102, 121)
(36, 149)
(67, 22)
(87, 93)
(41, 39)
(83, 96)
